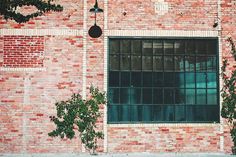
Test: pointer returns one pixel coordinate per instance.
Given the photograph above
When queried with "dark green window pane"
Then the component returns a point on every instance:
(136, 63)
(147, 79)
(146, 113)
(115, 46)
(190, 47)
(190, 80)
(201, 80)
(180, 113)
(169, 79)
(169, 47)
(211, 64)
(135, 114)
(179, 80)
(212, 47)
(201, 47)
(158, 96)
(190, 96)
(211, 80)
(201, 96)
(157, 47)
(124, 114)
(168, 113)
(169, 63)
(124, 95)
(147, 63)
(147, 47)
(125, 62)
(135, 96)
(114, 78)
(125, 46)
(189, 63)
(114, 62)
(180, 47)
(201, 63)
(136, 46)
(168, 96)
(158, 79)
(147, 96)
(113, 111)
(125, 79)
(136, 79)
(158, 114)
(157, 63)
(179, 96)
(114, 95)
(212, 96)
(179, 63)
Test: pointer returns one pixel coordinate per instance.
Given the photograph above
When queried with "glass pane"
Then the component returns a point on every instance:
(168, 63)
(158, 96)
(136, 63)
(211, 80)
(212, 97)
(179, 80)
(124, 113)
(124, 95)
(125, 62)
(136, 78)
(179, 113)
(168, 113)
(147, 113)
(189, 63)
(179, 63)
(201, 47)
(158, 63)
(136, 47)
(190, 80)
(169, 47)
(113, 111)
(179, 47)
(147, 47)
(125, 79)
(211, 64)
(114, 96)
(134, 113)
(147, 79)
(147, 96)
(179, 96)
(158, 79)
(190, 96)
(125, 46)
(190, 47)
(114, 62)
(201, 63)
(135, 96)
(201, 80)
(169, 79)
(201, 96)
(157, 47)
(114, 46)
(212, 47)
(147, 63)
(114, 79)
(158, 114)
(168, 96)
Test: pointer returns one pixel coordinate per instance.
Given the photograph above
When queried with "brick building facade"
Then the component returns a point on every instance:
(50, 57)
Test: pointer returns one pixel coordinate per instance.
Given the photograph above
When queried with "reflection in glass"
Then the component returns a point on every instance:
(125, 62)
(169, 47)
(189, 63)
(157, 47)
(168, 96)
(125, 79)
(113, 111)
(114, 96)
(135, 96)
(147, 79)
(169, 79)
(114, 79)
(168, 63)
(158, 79)
(179, 80)
(211, 96)
(190, 47)
(211, 80)
(179, 113)
(147, 47)
(190, 80)
(125, 46)
(114, 62)
(136, 46)
(201, 80)
(136, 63)
(125, 96)
(201, 96)
(136, 79)
(201, 64)
(190, 96)
(179, 96)
(114, 46)
(211, 64)
(124, 113)
(179, 63)
(201, 47)
(179, 47)
(146, 113)
(157, 63)
(147, 95)
(158, 96)
(147, 63)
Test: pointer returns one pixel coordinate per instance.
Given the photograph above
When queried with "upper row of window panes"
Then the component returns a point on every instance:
(167, 47)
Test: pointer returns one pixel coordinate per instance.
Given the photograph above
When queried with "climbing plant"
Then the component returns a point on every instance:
(81, 115)
(9, 9)
(228, 93)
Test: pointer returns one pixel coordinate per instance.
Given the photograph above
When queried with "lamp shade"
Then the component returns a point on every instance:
(96, 9)
(95, 31)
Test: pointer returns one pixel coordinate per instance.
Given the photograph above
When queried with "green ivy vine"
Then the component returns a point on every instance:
(81, 115)
(228, 93)
(8, 9)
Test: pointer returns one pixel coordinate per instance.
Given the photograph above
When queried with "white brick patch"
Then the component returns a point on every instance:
(22, 69)
(161, 7)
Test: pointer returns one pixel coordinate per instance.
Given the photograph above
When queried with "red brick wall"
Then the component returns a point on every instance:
(27, 97)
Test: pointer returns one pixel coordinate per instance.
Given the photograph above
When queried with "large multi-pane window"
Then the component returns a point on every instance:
(163, 80)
